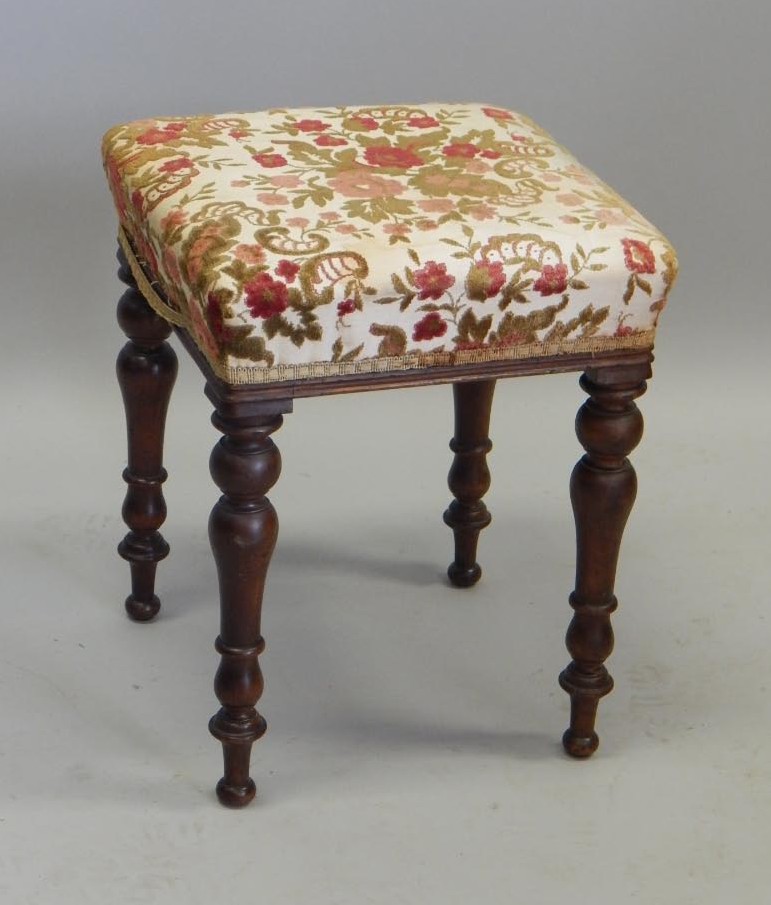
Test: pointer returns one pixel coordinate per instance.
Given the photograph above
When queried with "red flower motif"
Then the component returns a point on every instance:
(638, 256)
(364, 122)
(287, 270)
(422, 122)
(214, 316)
(238, 133)
(496, 113)
(460, 149)
(266, 296)
(311, 125)
(490, 155)
(328, 141)
(390, 156)
(485, 280)
(348, 306)
(270, 160)
(156, 136)
(431, 326)
(433, 281)
(553, 279)
(179, 163)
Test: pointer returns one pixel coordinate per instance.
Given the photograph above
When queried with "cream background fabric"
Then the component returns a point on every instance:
(382, 238)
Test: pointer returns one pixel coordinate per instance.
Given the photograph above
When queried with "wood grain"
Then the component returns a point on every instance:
(146, 370)
(603, 487)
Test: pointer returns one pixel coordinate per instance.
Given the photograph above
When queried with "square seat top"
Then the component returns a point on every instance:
(297, 244)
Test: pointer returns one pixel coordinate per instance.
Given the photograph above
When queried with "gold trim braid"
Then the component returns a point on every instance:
(144, 285)
(247, 374)
(250, 374)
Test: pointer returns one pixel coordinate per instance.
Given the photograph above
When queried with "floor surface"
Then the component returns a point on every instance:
(413, 747)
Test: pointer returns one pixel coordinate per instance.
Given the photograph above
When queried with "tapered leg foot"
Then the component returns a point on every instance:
(243, 528)
(236, 796)
(602, 490)
(146, 370)
(469, 477)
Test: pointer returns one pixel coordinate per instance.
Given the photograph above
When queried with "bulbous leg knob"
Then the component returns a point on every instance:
(146, 370)
(469, 478)
(602, 490)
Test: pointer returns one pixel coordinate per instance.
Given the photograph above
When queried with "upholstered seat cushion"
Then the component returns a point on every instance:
(302, 243)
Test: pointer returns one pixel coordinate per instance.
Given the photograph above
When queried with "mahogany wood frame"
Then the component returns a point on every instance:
(243, 526)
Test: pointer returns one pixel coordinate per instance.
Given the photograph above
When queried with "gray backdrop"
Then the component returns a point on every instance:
(401, 716)
(669, 101)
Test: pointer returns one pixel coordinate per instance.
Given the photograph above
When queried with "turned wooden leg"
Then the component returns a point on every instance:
(147, 369)
(602, 489)
(243, 528)
(469, 477)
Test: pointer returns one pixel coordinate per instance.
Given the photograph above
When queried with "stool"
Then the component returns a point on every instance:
(308, 252)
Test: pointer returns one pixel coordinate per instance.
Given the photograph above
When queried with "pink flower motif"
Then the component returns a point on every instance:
(568, 218)
(285, 181)
(431, 326)
(571, 199)
(364, 183)
(174, 218)
(611, 217)
(329, 217)
(270, 160)
(171, 265)
(433, 281)
(396, 229)
(239, 183)
(553, 279)
(515, 137)
(426, 225)
(346, 229)
(265, 296)
(311, 125)
(482, 211)
(299, 222)
(348, 306)
(460, 149)
(272, 198)
(490, 154)
(497, 113)
(477, 167)
(329, 141)
(422, 122)
(437, 206)
(250, 254)
(577, 173)
(287, 270)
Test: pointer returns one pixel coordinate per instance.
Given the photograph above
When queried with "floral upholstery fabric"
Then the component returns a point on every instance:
(302, 243)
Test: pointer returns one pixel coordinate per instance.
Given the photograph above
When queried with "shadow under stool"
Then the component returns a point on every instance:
(310, 252)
